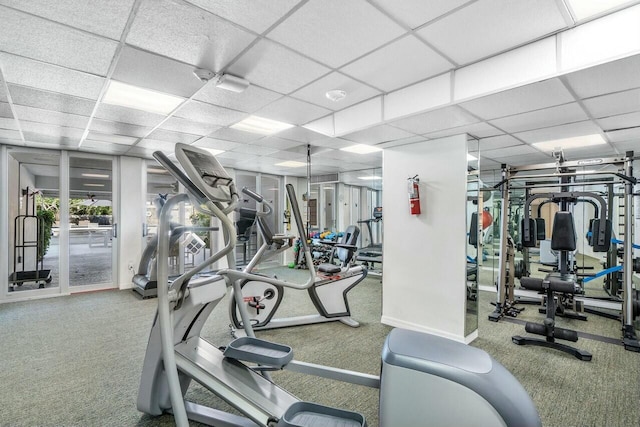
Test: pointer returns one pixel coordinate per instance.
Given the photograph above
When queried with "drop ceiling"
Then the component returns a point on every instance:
(57, 59)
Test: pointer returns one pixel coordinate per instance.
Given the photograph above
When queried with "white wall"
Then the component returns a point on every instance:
(131, 216)
(424, 275)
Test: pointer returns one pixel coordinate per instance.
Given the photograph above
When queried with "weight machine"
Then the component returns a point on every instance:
(568, 176)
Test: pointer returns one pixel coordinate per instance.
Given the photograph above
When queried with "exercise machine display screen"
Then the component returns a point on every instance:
(205, 171)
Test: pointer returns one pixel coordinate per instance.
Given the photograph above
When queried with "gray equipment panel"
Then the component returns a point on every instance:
(466, 366)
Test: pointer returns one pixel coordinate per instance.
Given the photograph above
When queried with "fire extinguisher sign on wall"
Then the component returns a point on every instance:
(414, 195)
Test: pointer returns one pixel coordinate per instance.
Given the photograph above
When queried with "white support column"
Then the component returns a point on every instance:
(63, 236)
(4, 221)
(130, 217)
(424, 275)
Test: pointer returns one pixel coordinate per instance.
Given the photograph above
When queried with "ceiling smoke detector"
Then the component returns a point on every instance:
(336, 95)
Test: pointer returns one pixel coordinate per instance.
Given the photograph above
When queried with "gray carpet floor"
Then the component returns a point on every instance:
(76, 361)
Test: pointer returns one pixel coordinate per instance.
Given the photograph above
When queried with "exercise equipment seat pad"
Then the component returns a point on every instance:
(563, 236)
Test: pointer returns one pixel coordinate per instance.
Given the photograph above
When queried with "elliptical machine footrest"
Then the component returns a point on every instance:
(255, 350)
(304, 414)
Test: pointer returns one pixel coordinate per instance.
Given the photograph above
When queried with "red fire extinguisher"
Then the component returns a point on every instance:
(414, 195)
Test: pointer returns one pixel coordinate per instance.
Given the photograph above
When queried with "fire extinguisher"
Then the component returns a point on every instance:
(414, 195)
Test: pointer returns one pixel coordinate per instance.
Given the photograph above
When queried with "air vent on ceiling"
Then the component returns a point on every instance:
(324, 179)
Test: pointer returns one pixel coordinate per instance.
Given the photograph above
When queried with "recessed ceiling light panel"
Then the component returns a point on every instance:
(131, 96)
(260, 125)
(570, 143)
(371, 178)
(95, 175)
(93, 185)
(361, 149)
(291, 164)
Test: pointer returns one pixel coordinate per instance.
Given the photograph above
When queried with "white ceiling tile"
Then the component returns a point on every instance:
(106, 18)
(432, 121)
(359, 116)
(274, 67)
(147, 70)
(104, 138)
(26, 72)
(37, 38)
(628, 145)
(255, 149)
(5, 110)
(477, 130)
(30, 97)
(207, 113)
(613, 76)
(620, 122)
(519, 100)
(235, 135)
(116, 113)
(335, 32)
(256, 15)
(49, 141)
(398, 64)
(250, 101)
(51, 130)
(529, 159)
(632, 134)
(552, 116)
(403, 141)
(240, 156)
(614, 104)
(335, 143)
(288, 155)
(415, 13)
(9, 135)
(378, 134)
(50, 117)
(316, 91)
(515, 150)
(118, 128)
(216, 144)
(300, 134)
(97, 146)
(3, 92)
(155, 144)
(146, 153)
(495, 142)
(166, 135)
(277, 143)
(558, 132)
(292, 111)
(8, 123)
(183, 125)
(478, 30)
(186, 33)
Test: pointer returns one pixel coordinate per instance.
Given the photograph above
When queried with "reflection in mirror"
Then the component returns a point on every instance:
(475, 230)
(363, 193)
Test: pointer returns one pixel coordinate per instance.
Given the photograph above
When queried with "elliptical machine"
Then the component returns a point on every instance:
(422, 376)
(328, 291)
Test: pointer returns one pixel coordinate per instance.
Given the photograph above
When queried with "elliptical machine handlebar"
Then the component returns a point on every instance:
(266, 209)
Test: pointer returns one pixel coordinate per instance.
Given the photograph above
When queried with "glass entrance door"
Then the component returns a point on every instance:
(92, 224)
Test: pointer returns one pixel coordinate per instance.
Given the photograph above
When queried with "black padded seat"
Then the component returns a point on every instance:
(563, 236)
(329, 268)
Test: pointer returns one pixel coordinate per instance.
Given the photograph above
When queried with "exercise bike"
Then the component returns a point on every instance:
(423, 377)
(328, 291)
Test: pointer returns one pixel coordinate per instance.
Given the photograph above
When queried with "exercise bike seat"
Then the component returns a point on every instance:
(329, 268)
